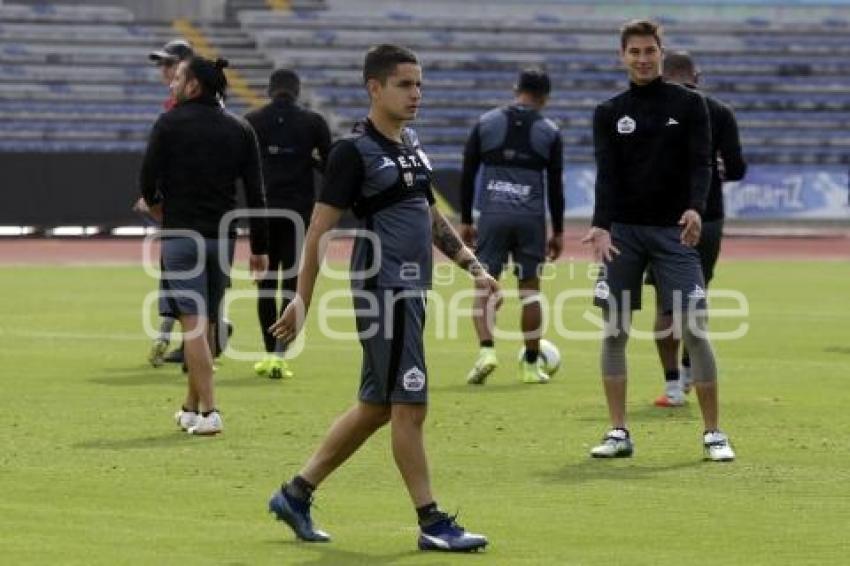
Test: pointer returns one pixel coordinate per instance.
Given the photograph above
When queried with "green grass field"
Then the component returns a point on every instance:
(93, 470)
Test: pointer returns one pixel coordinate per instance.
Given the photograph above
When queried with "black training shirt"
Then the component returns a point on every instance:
(195, 154)
(293, 142)
(653, 155)
(725, 147)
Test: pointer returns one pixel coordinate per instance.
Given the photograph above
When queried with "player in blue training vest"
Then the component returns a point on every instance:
(518, 156)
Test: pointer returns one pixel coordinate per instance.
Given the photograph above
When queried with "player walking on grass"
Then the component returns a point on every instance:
(652, 145)
(166, 60)
(382, 174)
(520, 157)
(294, 142)
(196, 153)
(727, 164)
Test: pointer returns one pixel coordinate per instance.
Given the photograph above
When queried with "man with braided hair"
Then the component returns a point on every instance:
(196, 154)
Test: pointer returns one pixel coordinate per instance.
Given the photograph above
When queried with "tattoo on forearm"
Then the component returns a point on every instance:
(445, 238)
(448, 242)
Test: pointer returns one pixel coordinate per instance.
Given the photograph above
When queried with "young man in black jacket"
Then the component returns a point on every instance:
(727, 164)
(652, 145)
(196, 153)
(294, 143)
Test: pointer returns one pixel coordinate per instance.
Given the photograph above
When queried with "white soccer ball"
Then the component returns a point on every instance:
(549, 358)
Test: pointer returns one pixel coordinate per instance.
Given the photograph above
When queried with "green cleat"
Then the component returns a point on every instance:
(532, 373)
(279, 369)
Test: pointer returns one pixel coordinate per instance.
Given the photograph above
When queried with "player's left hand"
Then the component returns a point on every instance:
(287, 327)
(258, 264)
(554, 246)
(691, 223)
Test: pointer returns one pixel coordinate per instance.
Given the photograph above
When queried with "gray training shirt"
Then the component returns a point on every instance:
(388, 187)
(520, 156)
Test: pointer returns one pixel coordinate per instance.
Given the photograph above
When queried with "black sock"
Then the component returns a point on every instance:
(428, 514)
(530, 356)
(686, 359)
(186, 409)
(487, 343)
(671, 375)
(208, 413)
(299, 488)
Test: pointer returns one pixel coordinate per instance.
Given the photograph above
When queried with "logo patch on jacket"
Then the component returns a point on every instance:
(626, 125)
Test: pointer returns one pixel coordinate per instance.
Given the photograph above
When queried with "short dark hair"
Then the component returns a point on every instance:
(534, 81)
(209, 74)
(679, 64)
(284, 82)
(640, 27)
(381, 61)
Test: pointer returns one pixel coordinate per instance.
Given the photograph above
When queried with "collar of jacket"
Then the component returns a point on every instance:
(647, 89)
(204, 99)
(283, 101)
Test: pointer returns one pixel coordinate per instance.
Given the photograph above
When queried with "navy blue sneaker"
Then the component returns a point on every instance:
(448, 536)
(296, 514)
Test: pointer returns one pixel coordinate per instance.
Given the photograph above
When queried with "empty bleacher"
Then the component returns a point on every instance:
(789, 83)
(78, 78)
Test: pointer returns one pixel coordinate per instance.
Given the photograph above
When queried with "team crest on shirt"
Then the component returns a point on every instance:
(413, 379)
(626, 125)
(408, 178)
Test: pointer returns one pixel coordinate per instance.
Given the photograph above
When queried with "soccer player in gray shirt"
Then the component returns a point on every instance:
(384, 177)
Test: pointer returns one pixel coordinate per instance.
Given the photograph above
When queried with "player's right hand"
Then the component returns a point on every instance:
(287, 327)
(603, 249)
(554, 247)
(489, 287)
(468, 234)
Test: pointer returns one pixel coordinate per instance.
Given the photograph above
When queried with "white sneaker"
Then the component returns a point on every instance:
(156, 356)
(207, 426)
(484, 366)
(186, 419)
(717, 447)
(616, 444)
(685, 379)
(673, 395)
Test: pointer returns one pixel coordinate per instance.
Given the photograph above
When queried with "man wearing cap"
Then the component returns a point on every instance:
(520, 157)
(167, 59)
(294, 142)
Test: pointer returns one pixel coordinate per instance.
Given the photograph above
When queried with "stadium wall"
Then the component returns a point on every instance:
(57, 189)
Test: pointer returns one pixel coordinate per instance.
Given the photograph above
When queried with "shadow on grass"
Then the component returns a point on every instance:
(837, 349)
(175, 438)
(649, 413)
(140, 376)
(511, 386)
(330, 555)
(592, 470)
